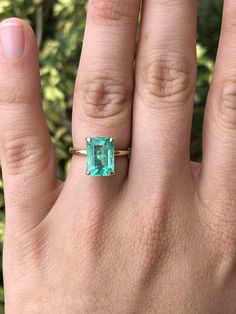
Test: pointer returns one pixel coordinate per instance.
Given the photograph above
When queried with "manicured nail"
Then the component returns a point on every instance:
(12, 39)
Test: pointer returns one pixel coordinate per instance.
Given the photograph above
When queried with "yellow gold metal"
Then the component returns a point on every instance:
(80, 152)
(74, 151)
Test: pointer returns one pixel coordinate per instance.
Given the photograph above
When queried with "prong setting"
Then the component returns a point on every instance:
(100, 152)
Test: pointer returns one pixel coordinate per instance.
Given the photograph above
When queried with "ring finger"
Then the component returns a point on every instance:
(104, 87)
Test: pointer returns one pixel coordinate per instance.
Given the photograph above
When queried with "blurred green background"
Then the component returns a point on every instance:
(59, 27)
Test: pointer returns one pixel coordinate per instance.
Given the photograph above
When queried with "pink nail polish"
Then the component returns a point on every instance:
(12, 39)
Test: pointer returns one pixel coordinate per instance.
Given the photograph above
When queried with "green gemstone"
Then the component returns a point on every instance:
(100, 156)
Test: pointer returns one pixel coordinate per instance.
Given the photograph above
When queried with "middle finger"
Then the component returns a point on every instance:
(165, 83)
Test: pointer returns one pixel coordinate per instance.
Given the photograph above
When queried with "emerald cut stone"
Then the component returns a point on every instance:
(100, 156)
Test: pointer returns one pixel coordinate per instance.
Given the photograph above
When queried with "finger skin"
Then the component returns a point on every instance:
(219, 136)
(104, 86)
(165, 83)
(25, 148)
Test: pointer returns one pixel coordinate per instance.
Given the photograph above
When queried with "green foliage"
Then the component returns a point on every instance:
(59, 27)
(209, 24)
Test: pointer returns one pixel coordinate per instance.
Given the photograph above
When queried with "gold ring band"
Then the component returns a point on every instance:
(83, 152)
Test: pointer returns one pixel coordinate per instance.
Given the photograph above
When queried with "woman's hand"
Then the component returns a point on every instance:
(160, 235)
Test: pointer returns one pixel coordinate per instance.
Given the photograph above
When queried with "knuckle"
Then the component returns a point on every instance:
(21, 154)
(27, 251)
(217, 219)
(113, 10)
(227, 104)
(91, 232)
(154, 233)
(104, 98)
(166, 81)
(153, 245)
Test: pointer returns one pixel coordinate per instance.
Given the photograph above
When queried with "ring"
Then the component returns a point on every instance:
(101, 155)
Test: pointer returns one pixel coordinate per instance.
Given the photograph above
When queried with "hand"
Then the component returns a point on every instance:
(160, 235)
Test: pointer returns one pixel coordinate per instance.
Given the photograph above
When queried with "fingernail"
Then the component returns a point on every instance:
(12, 40)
